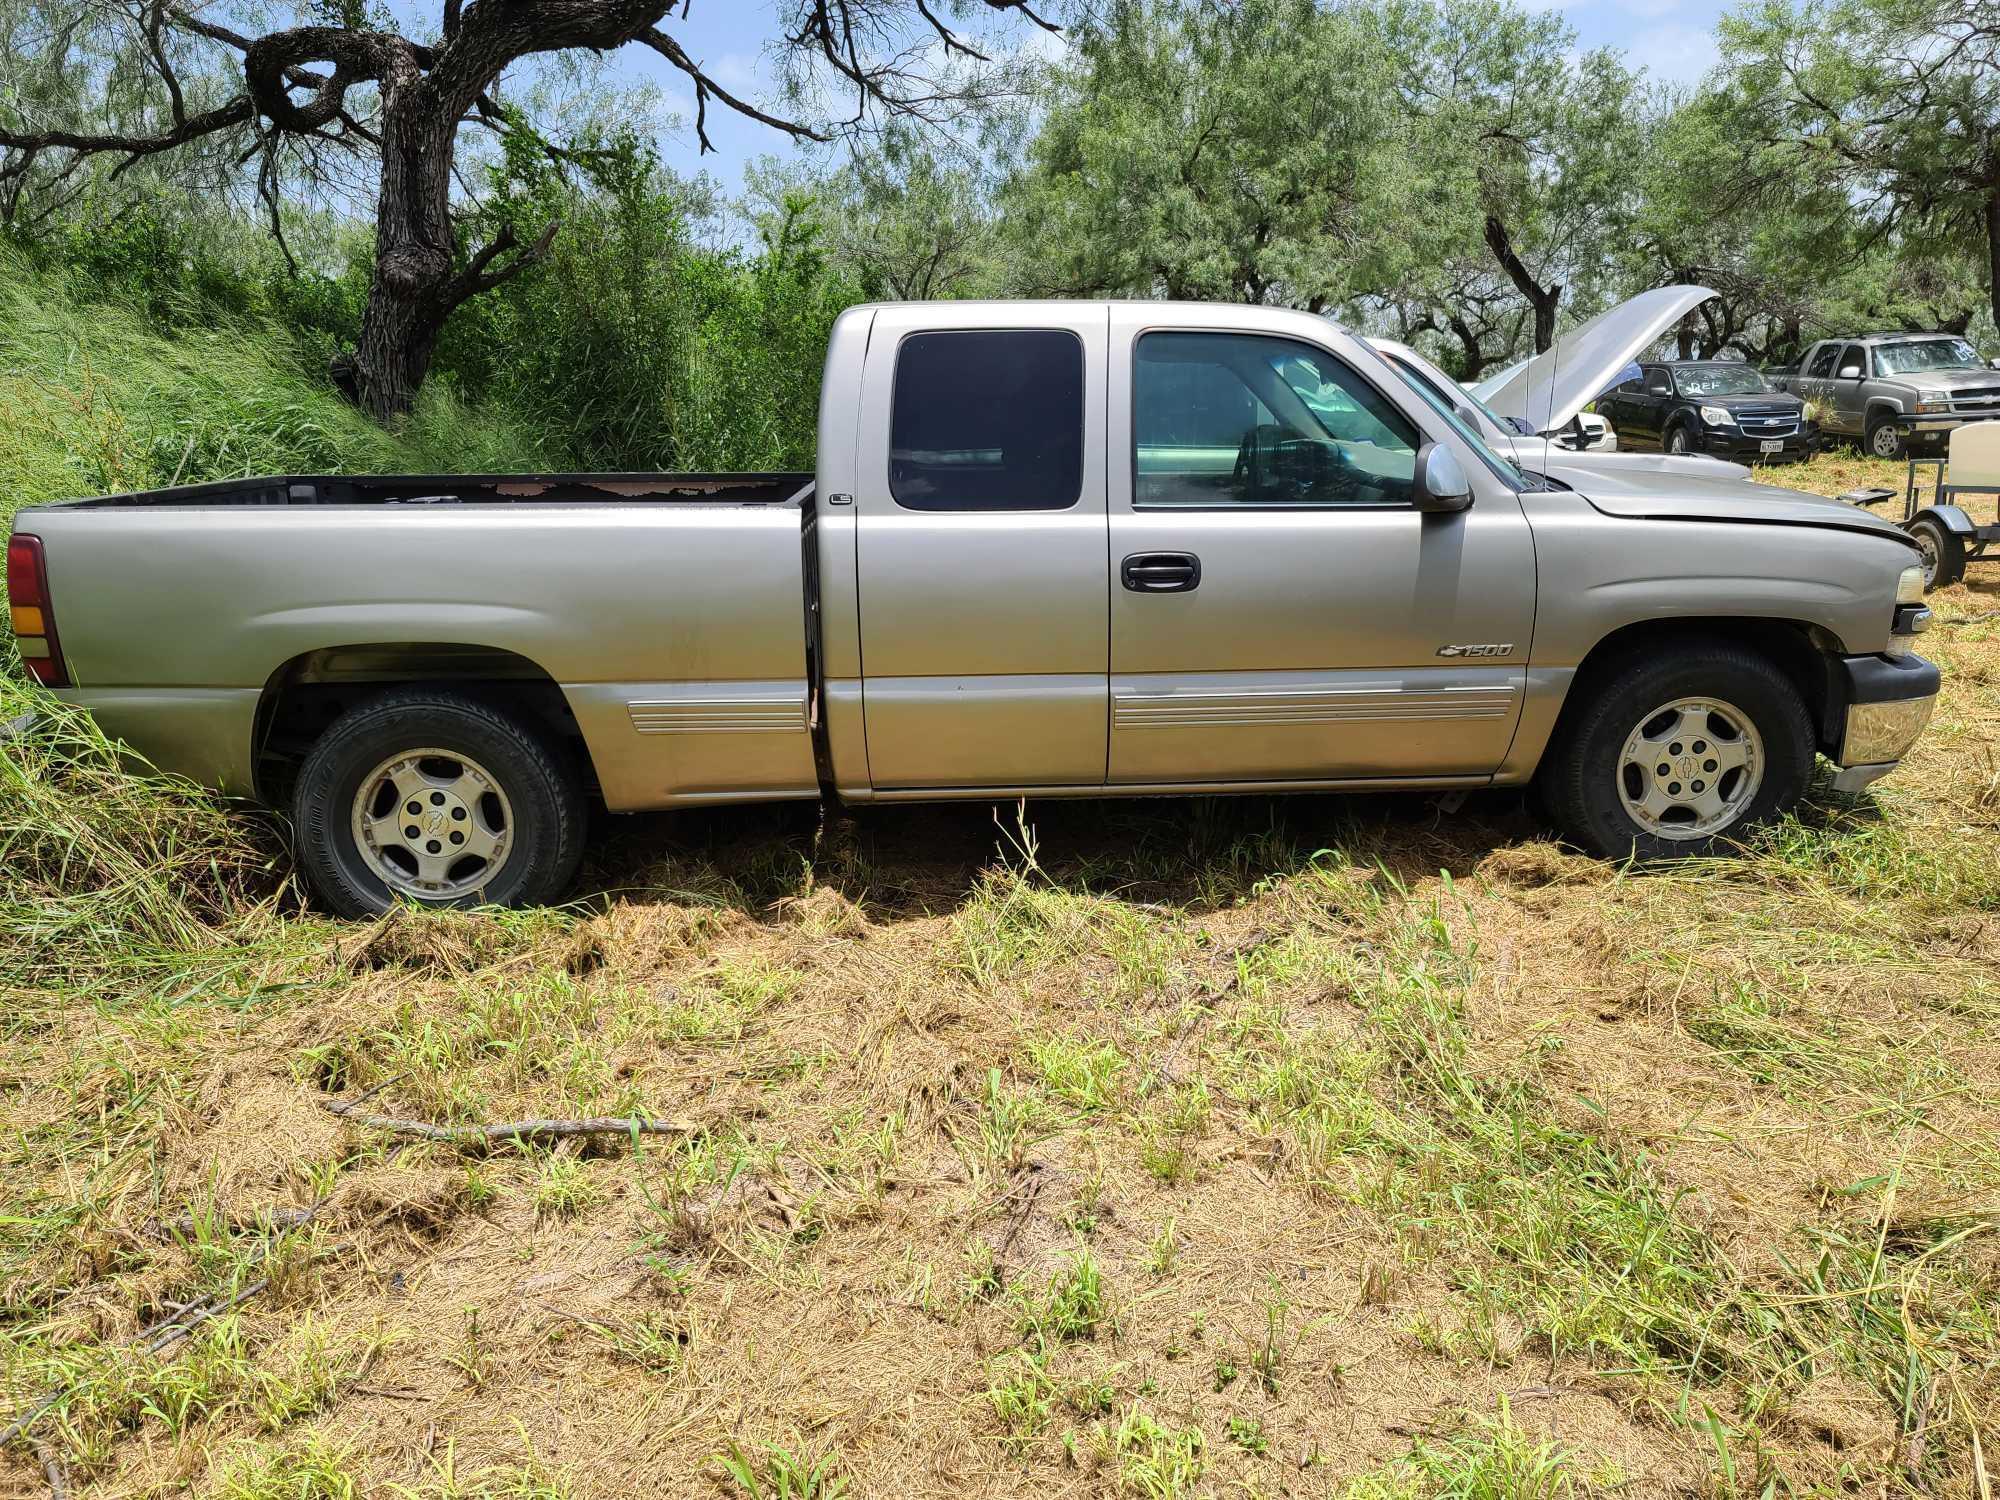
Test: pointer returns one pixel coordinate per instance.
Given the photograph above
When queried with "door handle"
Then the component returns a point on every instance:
(1160, 572)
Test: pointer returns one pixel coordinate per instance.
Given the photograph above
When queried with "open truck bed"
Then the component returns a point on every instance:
(465, 489)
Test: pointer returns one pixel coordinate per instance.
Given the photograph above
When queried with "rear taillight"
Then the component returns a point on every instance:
(33, 616)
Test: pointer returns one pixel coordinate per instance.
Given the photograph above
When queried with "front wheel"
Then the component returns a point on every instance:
(1886, 439)
(1941, 550)
(1677, 440)
(1679, 755)
(437, 798)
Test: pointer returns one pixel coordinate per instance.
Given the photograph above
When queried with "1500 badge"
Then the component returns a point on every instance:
(1502, 648)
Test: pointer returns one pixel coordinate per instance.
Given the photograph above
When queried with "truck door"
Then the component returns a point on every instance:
(1280, 611)
(980, 547)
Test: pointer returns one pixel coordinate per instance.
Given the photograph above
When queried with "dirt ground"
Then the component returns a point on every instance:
(1259, 1147)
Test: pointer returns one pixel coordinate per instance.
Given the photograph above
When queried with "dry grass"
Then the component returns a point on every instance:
(1260, 1147)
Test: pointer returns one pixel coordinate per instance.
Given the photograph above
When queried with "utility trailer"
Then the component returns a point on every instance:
(1944, 532)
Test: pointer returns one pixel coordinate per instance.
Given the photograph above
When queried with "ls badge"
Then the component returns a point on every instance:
(1500, 648)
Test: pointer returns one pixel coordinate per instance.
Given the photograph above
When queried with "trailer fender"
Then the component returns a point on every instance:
(1951, 517)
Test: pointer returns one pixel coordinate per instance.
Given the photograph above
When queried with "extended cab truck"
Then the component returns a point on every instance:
(1052, 549)
(1894, 391)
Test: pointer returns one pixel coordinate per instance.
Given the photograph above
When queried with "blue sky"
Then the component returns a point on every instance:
(1673, 40)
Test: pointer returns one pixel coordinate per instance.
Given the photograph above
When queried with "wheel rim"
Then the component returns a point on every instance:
(1690, 768)
(1885, 442)
(1677, 443)
(1928, 553)
(433, 824)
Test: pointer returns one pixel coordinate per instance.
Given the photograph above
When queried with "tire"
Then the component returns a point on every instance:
(1943, 552)
(1590, 789)
(1677, 440)
(499, 818)
(1886, 439)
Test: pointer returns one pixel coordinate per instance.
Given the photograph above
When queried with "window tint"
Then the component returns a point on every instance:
(1659, 382)
(1853, 357)
(1224, 418)
(1822, 364)
(988, 420)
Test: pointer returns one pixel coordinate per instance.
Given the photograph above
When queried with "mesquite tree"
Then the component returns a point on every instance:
(136, 81)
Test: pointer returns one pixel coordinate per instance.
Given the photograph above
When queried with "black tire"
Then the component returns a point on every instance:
(544, 811)
(1580, 779)
(1886, 439)
(1678, 439)
(1943, 552)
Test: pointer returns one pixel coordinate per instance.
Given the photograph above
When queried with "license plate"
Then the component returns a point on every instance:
(1772, 445)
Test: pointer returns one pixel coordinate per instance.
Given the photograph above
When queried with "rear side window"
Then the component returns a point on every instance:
(987, 420)
(1822, 363)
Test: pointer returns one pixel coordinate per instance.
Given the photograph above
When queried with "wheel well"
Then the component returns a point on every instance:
(306, 694)
(1879, 408)
(1805, 653)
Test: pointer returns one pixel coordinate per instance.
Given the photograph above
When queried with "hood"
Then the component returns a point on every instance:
(1658, 470)
(1551, 388)
(1947, 380)
(1634, 494)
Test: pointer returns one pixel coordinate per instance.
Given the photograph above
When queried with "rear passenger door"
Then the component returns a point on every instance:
(980, 537)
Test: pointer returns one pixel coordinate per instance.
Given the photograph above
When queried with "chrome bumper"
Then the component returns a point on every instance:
(1883, 732)
(1889, 701)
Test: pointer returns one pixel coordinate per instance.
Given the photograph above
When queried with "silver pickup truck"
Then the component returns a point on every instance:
(1052, 549)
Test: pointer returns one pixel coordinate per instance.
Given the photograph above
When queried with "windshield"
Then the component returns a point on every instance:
(1926, 354)
(1721, 380)
(1506, 472)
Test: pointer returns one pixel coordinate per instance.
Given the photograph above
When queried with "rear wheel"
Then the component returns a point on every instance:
(1886, 439)
(1680, 754)
(436, 798)
(1942, 551)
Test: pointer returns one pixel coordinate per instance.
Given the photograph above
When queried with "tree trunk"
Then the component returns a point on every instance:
(1544, 300)
(1993, 244)
(410, 296)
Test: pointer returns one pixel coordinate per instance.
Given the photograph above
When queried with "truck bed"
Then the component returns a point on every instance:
(468, 489)
(665, 614)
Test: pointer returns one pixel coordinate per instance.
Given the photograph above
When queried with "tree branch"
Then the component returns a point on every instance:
(674, 53)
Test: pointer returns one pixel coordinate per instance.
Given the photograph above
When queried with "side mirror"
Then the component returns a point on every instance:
(1440, 484)
(1471, 418)
(1850, 372)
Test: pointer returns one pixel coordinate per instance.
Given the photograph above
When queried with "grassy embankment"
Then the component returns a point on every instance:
(1289, 1146)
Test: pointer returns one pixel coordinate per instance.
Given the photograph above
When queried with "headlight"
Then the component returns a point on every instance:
(1933, 403)
(1718, 416)
(1910, 586)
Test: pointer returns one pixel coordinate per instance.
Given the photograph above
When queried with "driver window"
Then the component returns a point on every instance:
(1659, 382)
(1241, 419)
(1855, 359)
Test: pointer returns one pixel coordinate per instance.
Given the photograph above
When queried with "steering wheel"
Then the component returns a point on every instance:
(1274, 463)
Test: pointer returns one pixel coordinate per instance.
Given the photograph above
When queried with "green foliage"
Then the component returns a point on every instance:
(1198, 151)
(642, 348)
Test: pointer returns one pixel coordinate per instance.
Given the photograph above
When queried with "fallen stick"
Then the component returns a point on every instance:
(511, 1130)
(52, 1470)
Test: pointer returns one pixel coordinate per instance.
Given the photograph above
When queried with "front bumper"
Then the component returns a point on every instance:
(1889, 701)
(1725, 442)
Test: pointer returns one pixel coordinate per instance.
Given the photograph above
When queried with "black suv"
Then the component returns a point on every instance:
(1708, 406)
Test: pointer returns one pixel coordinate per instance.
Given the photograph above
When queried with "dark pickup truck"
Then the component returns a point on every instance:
(1721, 407)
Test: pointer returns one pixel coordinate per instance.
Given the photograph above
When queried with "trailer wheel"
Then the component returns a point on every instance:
(1679, 753)
(437, 798)
(1942, 550)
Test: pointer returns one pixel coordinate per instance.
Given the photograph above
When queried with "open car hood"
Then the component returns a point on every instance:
(1549, 389)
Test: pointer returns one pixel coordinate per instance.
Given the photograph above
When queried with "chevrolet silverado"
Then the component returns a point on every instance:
(1051, 549)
